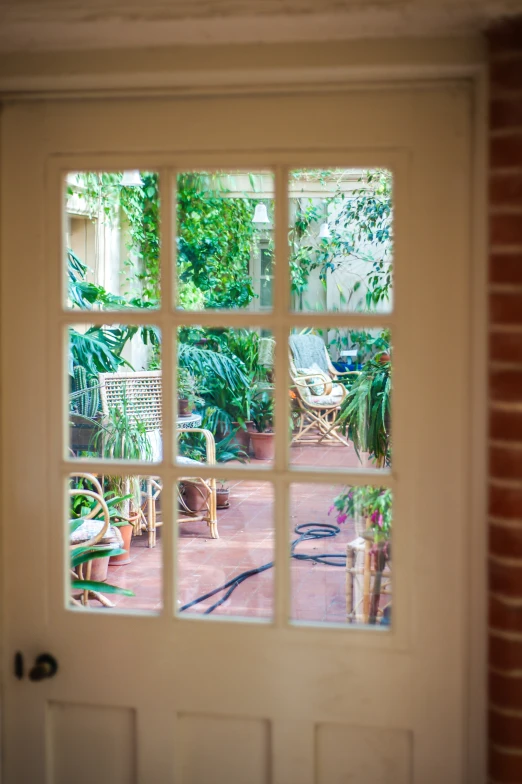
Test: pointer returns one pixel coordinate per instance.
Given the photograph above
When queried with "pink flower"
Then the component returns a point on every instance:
(380, 520)
(341, 518)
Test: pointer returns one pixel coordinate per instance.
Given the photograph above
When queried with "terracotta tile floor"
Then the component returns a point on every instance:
(246, 542)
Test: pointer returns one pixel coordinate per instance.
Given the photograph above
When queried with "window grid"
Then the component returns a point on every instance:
(279, 321)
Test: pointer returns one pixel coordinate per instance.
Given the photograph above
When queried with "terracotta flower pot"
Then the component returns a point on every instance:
(263, 445)
(124, 558)
(183, 407)
(223, 497)
(242, 437)
(99, 569)
(195, 495)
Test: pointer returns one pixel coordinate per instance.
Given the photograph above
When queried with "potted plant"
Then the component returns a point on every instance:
(188, 397)
(89, 564)
(84, 411)
(194, 494)
(263, 436)
(241, 406)
(222, 495)
(370, 508)
(122, 437)
(365, 412)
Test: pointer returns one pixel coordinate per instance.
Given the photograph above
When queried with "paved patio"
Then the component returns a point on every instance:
(247, 542)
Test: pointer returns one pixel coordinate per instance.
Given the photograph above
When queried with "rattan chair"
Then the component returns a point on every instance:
(315, 414)
(142, 393)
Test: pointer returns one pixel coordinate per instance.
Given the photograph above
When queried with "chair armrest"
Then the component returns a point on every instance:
(209, 442)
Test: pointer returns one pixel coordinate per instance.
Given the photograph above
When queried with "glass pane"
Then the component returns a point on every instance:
(231, 575)
(341, 240)
(115, 392)
(225, 224)
(226, 390)
(112, 240)
(341, 548)
(111, 536)
(340, 391)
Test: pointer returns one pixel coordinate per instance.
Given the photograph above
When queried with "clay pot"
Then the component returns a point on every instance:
(126, 534)
(242, 437)
(263, 445)
(183, 407)
(195, 495)
(223, 497)
(99, 570)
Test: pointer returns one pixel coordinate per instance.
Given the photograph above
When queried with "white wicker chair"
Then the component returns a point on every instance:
(142, 392)
(316, 413)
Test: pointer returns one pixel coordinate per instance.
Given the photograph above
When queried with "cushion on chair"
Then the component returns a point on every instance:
(333, 399)
(187, 460)
(320, 383)
(90, 528)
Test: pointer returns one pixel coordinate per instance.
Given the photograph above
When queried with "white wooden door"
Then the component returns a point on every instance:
(158, 697)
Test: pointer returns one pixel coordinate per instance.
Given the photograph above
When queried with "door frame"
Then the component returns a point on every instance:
(477, 490)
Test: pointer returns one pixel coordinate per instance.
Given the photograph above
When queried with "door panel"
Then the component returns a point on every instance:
(184, 699)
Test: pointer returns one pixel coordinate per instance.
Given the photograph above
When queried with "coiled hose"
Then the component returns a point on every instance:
(305, 531)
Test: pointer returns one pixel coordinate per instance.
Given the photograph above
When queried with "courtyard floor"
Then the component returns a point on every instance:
(246, 531)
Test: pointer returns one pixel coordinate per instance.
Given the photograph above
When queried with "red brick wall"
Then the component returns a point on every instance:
(505, 430)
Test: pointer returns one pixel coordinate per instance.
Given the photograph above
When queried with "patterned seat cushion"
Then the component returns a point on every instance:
(91, 528)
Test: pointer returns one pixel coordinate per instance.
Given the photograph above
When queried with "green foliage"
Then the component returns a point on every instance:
(365, 412)
(193, 445)
(373, 504)
(141, 206)
(122, 436)
(85, 395)
(187, 388)
(263, 411)
(362, 229)
(215, 236)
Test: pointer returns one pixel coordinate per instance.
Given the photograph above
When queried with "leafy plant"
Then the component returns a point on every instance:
(365, 412)
(187, 388)
(365, 502)
(192, 445)
(82, 555)
(215, 236)
(85, 395)
(263, 411)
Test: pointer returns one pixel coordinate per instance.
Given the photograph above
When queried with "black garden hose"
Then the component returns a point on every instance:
(305, 531)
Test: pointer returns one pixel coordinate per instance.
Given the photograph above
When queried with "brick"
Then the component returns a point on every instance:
(505, 691)
(505, 386)
(505, 229)
(505, 654)
(505, 75)
(505, 307)
(505, 502)
(505, 464)
(505, 768)
(506, 580)
(506, 189)
(505, 346)
(505, 268)
(505, 425)
(505, 113)
(504, 730)
(504, 617)
(505, 36)
(505, 151)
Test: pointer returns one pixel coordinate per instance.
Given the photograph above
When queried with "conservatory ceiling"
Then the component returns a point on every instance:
(32, 25)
